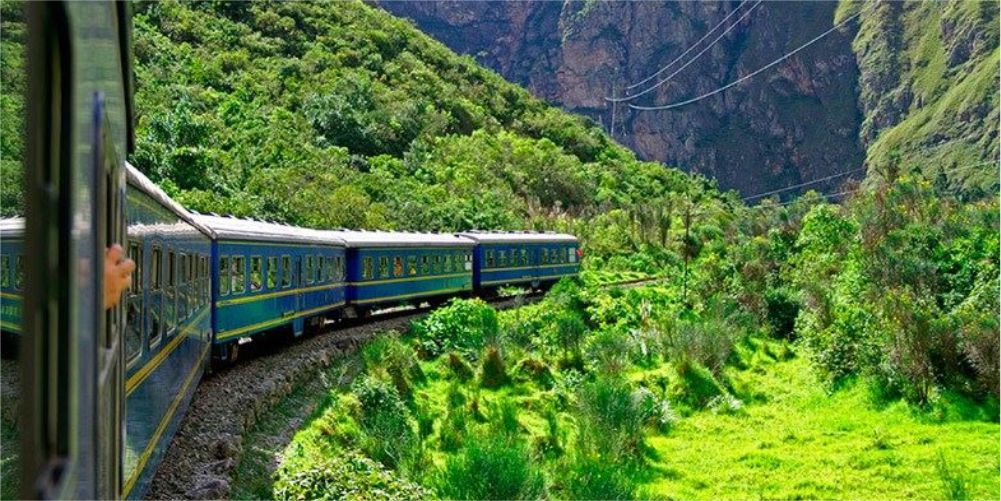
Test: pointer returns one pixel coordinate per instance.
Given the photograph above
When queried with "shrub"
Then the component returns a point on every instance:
(550, 444)
(534, 369)
(345, 475)
(490, 467)
(465, 325)
(782, 311)
(607, 352)
(656, 412)
(505, 419)
(610, 420)
(592, 477)
(385, 421)
(387, 354)
(493, 374)
(707, 342)
(698, 386)
(459, 367)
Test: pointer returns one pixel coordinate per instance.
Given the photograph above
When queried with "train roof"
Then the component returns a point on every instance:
(142, 183)
(233, 228)
(363, 238)
(12, 227)
(514, 237)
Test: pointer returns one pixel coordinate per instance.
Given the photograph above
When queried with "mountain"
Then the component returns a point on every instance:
(819, 113)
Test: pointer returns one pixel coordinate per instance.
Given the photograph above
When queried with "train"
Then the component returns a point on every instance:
(102, 391)
(204, 284)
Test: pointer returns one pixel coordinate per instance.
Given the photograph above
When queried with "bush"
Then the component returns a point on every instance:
(386, 354)
(464, 325)
(592, 477)
(534, 369)
(345, 475)
(782, 311)
(698, 386)
(655, 412)
(459, 367)
(505, 419)
(490, 467)
(610, 420)
(385, 421)
(493, 374)
(607, 352)
(707, 342)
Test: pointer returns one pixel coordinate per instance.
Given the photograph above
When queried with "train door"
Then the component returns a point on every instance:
(72, 362)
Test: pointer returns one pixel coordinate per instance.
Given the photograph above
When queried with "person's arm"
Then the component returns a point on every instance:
(117, 275)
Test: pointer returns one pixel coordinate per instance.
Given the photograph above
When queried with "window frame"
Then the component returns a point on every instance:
(5, 271)
(224, 283)
(260, 273)
(411, 265)
(425, 265)
(383, 267)
(286, 271)
(488, 260)
(367, 267)
(239, 275)
(271, 272)
(398, 268)
(446, 265)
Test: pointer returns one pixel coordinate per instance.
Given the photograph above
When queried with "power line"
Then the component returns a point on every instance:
(689, 49)
(800, 185)
(752, 74)
(689, 62)
(856, 190)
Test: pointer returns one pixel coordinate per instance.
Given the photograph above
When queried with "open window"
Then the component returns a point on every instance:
(256, 274)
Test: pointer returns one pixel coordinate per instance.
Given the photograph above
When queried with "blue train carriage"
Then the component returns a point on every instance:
(11, 276)
(271, 279)
(167, 331)
(522, 258)
(386, 269)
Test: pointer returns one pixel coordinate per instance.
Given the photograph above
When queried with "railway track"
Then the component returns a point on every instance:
(204, 453)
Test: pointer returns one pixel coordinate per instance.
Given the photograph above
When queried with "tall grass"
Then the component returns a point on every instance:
(490, 467)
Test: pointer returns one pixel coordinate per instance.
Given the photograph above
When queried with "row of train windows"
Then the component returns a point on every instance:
(268, 273)
(178, 286)
(412, 265)
(11, 276)
(519, 257)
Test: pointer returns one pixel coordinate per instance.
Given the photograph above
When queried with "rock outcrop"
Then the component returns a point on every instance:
(796, 122)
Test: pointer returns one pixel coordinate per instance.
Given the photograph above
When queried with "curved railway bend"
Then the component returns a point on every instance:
(204, 454)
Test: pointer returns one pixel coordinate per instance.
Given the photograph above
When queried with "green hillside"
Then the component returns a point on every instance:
(929, 90)
(345, 116)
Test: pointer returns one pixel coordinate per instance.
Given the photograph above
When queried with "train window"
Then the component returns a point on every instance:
(553, 256)
(366, 268)
(457, 261)
(490, 259)
(272, 272)
(425, 265)
(447, 265)
(18, 273)
(501, 258)
(329, 268)
(524, 257)
(320, 268)
(182, 276)
(339, 268)
(397, 266)
(436, 264)
(383, 266)
(256, 274)
(4, 271)
(411, 265)
(136, 255)
(223, 275)
(544, 255)
(308, 273)
(171, 269)
(286, 271)
(236, 275)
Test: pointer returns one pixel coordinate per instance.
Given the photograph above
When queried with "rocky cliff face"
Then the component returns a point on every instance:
(797, 122)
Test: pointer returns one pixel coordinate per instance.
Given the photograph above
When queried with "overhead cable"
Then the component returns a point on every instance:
(688, 63)
(750, 75)
(800, 185)
(690, 48)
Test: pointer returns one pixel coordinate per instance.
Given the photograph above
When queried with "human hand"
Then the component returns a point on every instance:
(117, 275)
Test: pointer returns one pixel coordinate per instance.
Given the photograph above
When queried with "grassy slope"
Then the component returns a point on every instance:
(799, 442)
(792, 439)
